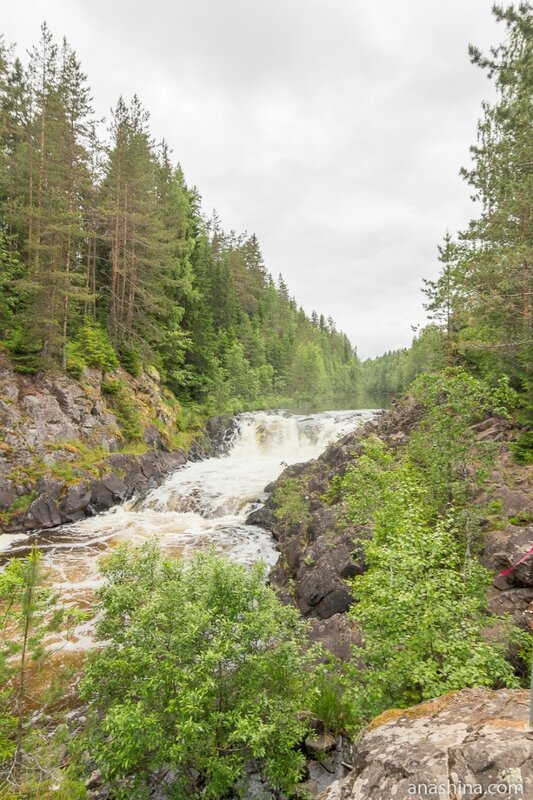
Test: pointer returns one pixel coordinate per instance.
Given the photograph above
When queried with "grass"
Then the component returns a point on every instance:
(182, 440)
(18, 507)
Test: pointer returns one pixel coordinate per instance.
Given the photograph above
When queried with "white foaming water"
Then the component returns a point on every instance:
(202, 504)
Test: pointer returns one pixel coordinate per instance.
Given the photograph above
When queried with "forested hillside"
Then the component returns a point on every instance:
(480, 304)
(106, 257)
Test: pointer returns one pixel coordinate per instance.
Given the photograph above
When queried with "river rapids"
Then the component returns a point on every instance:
(202, 504)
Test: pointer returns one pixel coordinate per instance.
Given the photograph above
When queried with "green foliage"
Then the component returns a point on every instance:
(29, 611)
(291, 505)
(93, 347)
(126, 412)
(117, 236)
(113, 386)
(422, 601)
(25, 352)
(392, 373)
(202, 669)
(12, 295)
(480, 303)
(443, 443)
(523, 448)
(130, 360)
(335, 699)
(124, 408)
(76, 363)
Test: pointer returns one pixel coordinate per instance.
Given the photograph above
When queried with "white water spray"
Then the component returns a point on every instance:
(202, 504)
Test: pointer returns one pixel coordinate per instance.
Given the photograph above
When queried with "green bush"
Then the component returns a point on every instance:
(123, 407)
(93, 346)
(25, 353)
(291, 506)
(130, 360)
(334, 698)
(523, 448)
(76, 364)
(112, 386)
(422, 603)
(203, 670)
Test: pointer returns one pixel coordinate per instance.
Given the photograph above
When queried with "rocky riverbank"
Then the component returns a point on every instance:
(70, 449)
(321, 550)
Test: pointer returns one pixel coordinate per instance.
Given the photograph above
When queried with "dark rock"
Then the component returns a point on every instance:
(517, 602)
(107, 493)
(323, 521)
(506, 547)
(263, 517)
(152, 436)
(52, 488)
(74, 504)
(43, 512)
(150, 466)
(338, 634)
(8, 494)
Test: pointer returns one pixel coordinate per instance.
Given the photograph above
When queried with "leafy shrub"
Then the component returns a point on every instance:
(112, 386)
(29, 611)
(203, 670)
(523, 448)
(123, 407)
(76, 364)
(422, 603)
(334, 698)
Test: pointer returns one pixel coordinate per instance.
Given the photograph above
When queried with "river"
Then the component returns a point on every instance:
(202, 504)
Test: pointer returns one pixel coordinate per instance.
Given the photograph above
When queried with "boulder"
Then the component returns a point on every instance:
(8, 494)
(262, 517)
(107, 493)
(506, 547)
(321, 587)
(152, 436)
(475, 736)
(43, 512)
(319, 743)
(338, 634)
(74, 505)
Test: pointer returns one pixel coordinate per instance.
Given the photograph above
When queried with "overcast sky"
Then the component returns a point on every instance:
(333, 129)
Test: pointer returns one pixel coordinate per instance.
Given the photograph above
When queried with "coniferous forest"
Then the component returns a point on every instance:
(107, 258)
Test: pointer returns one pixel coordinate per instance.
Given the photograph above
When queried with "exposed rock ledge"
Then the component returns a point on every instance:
(321, 552)
(473, 737)
(61, 442)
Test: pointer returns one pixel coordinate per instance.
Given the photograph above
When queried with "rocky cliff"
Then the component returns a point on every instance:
(69, 449)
